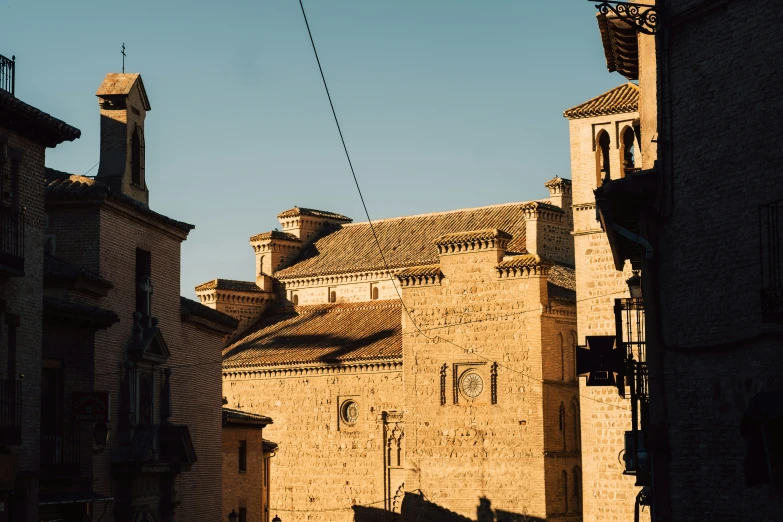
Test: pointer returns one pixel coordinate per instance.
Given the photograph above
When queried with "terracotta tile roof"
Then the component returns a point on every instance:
(242, 417)
(406, 241)
(523, 261)
(561, 283)
(76, 314)
(34, 123)
(62, 186)
(120, 84)
(472, 235)
(624, 98)
(300, 211)
(334, 333)
(275, 234)
(229, 284)
(428, 270)
(621, 45)
(56, 269)
(190, 307)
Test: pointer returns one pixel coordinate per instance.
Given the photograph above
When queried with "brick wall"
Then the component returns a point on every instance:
(23, 297)
(726, 163)
(243, 488)
(107, 243)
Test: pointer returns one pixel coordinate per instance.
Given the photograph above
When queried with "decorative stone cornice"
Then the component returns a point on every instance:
(229, 284)
(523, 266)
(472, 241)
(350, 277)
(293, 371)
(584, 206)
(214, 296)
(284, 246)
(275, 234)
(545, 211)
(421, 276)
(298, 212)
(559, 186)
(559, 311)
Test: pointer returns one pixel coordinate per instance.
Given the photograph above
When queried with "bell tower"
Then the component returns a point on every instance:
(123, 104)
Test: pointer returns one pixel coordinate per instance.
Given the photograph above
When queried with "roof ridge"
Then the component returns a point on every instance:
(427, 214)
(575, 108)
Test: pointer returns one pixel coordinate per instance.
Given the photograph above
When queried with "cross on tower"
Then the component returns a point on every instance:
(123, 57)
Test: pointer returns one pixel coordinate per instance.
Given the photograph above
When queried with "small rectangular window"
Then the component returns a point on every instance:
(242, 514)
(143, 283)
(242, 456)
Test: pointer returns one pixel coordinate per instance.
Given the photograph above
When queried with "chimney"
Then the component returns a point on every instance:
(308, 224)
(560, 196)
(548, 232)
(123, 106)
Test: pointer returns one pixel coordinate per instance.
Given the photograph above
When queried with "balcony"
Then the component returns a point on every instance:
(7, 74)
(60, 452)
(10, 412)
(11, 242)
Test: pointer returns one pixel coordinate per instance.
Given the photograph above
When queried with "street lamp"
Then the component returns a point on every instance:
(635, 285)
(232, 517)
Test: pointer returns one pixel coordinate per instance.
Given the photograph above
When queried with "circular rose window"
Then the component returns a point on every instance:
(350, 412)
(471, 384)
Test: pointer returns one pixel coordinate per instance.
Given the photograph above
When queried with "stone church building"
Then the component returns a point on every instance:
(436, 380)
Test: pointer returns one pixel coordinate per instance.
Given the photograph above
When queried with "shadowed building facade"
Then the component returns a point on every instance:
(114, 326)
(465, 397)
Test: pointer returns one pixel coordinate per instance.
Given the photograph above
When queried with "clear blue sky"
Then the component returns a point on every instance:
(444, 104)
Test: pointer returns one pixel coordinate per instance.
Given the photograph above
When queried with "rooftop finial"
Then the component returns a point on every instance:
(123, 57)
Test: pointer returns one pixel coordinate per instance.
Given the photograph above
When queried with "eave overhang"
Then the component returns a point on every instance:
(621, 45)
(620, 207)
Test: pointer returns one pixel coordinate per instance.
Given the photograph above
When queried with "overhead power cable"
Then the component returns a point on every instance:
(372, 227)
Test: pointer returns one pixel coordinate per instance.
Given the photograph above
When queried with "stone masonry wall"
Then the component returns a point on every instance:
(464, 454)
(608, 494)
(345, 291)
(323, 466)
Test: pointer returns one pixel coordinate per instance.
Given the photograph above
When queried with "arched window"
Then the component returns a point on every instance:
(375, 292)
(563, 425)
(295, 299)
(602, 163)
(332, 296)
(564, 478)
(627, 151)
(575, 421)
(577, 473)
(137, 157)
(562, 357)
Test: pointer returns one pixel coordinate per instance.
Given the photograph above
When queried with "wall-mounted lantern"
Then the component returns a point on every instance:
(635, 285)
(276, 519)
(232, 517)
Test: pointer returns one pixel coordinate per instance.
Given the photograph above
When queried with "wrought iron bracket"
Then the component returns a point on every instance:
(642, 17)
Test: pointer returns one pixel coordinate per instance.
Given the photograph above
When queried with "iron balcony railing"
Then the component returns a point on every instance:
(60, 451)
(11, 239)
(10, 412)
(7, 74)
(771, 253)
